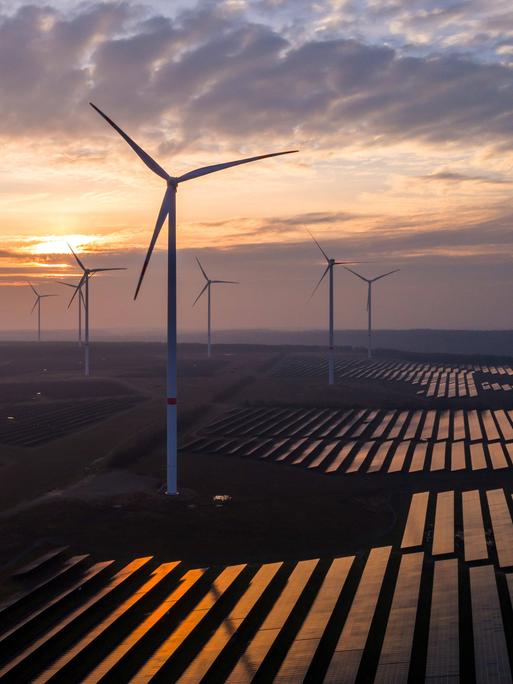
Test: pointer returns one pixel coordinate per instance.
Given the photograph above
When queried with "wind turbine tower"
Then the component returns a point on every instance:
(37, 303)
(331, 263)
(84, 282)
(81, 305)
(370, 282)
(207, 287)
(168, 210)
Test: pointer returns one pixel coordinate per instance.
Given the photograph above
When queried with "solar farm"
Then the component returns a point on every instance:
(433, 381)
(429, 609)
(323, 534)
(359, 441)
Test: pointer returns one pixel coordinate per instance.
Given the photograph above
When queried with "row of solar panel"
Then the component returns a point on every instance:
(481, 520)
(378, 617)
(424, 424)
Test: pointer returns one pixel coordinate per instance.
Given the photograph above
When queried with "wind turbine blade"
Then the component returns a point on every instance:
(356, 274)
(144, 156)
(202, 269)
(385, 275)
(50, 295)
(204, 170)
(78, 289)
(226, 282)
(101, 270)
(343, 263)
(164, 211)
(202, 291)
(61, 282)
(320, 281)
(33, 289)
(318, 245)
(76, 257)
(35, 304)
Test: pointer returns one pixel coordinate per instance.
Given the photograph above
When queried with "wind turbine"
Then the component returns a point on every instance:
(84, 282)
(37, 303)
(331, 263)
(168, 210)
(369, 282)
(81, 303)
(207, 287)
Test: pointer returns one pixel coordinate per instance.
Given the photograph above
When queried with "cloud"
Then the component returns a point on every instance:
(455, 177)
(213, 78)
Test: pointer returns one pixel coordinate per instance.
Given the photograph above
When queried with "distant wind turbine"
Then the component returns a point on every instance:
(329, 270)
(84, 282)
(207, 287)
(37, 303)
(81, 304)
(168, 210)
(369, 282)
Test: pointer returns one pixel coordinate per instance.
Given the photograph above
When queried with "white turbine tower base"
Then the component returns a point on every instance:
(207, 287)
(168, 210)
(331, 263)
(370, 282)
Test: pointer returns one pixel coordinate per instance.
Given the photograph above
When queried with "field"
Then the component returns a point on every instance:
(359, 532)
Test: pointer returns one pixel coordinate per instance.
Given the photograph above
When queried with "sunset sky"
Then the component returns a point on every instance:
(402, 111)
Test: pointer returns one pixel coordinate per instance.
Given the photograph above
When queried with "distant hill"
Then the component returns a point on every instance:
(471, 342)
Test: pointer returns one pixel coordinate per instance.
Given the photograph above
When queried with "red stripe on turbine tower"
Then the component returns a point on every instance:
(171, 401)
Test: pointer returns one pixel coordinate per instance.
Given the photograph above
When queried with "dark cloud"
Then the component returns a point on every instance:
(454, 177)
(212, 77)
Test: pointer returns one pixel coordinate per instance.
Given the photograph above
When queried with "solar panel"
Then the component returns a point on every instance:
(443, 425)
(418, 458)
(38, 646)
(443, 535)
(206, 657)
(490, 650)
(474, 426)
(473, 530)
(416, 521)
(107, 666)
(413, 425)
(429, 424)
(359, 457)
(261, 643)
(443, 657)
(438, 456)
(178, 635)
(297, 661)
(340, 457)
(459, 426)
(501, 525)
(490, 426)
(497, 456)
(504, 424)
(348, 652)
(394, 660)
(346, 428)
(457, 456)
(398, 425)
(397, 462)
(477, 456)
(379, 457)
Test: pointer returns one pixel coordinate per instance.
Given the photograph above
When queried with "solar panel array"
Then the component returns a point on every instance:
(431, 380)
(437, 609)
(29, 425)
(365, 441)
